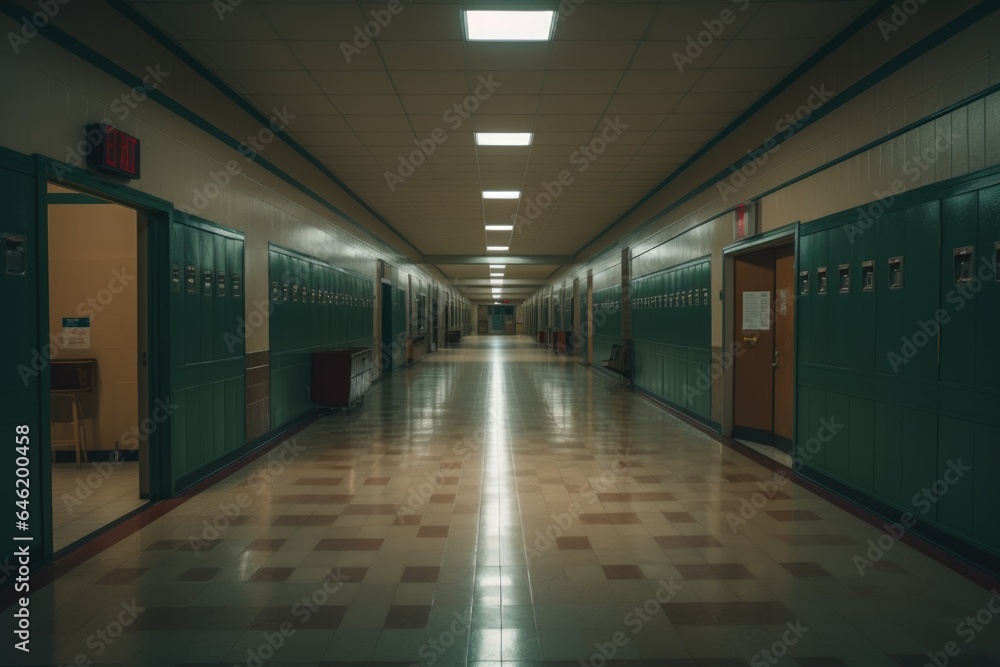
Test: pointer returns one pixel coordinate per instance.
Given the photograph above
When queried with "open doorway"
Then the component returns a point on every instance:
(763, 338)
(97, 324)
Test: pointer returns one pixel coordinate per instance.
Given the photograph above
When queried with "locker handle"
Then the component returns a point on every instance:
(750, 339)
(774, 364)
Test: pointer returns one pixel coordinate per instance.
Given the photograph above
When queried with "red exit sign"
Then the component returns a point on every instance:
(113, 152)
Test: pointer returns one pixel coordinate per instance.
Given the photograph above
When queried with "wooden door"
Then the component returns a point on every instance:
(753, 376)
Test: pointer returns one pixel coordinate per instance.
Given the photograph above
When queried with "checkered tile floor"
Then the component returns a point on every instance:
(498, 504)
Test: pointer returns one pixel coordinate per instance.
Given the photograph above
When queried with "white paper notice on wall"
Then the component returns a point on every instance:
(76, 333)
(756, 311)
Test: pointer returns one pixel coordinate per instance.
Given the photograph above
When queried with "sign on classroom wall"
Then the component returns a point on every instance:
(756, 311)
(76, 333)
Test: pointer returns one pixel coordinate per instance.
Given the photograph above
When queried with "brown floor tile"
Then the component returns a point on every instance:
(408, 520)
(805, 569)
(616, 572)
(679, 517)
(199, 545)
(304, 520)
(349, 544)
(271, 574)
(318, 481)
(432, 531)
(199, 574)
(377, 481)
(407, 617)
(573, 543)
(442, 498)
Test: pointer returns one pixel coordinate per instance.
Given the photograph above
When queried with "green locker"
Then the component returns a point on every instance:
(862, 443)
(956, 446)
(888, 447)
(206, 290)
(842, 282)
(959, 238)
(987, 366)
(818, 412)
(891, 283)
(192, 295)
(220, 323)
(864, 292)
(805, 291)
(819, 309)
(919, 458)
(921, 283)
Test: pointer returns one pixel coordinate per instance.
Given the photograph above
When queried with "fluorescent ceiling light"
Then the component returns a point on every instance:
(509, 26)
(501, 194)
(499, 228)
(503, 138)
(496, 281)
(496, 275)
(498, 266)
(497, 248)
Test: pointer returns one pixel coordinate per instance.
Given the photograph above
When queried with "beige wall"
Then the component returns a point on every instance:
(92, 269)
(58, 93)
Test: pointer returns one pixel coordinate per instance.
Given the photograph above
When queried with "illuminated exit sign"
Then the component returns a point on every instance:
(113, 152)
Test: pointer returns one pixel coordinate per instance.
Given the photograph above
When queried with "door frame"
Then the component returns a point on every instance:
(158, 214)
(770, 239)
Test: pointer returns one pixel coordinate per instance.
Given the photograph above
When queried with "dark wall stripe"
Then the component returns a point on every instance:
(146, 26)
(77, 48)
